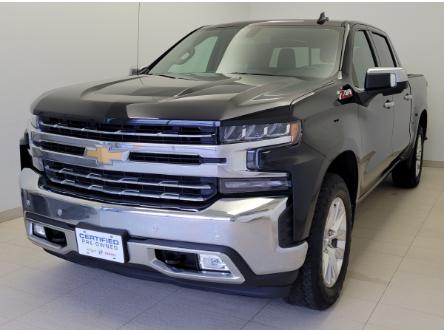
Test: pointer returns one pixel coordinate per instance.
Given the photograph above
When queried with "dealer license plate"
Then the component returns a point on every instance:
(100, 245)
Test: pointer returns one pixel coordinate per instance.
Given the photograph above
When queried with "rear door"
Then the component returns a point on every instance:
(375, 116)
(402, 101)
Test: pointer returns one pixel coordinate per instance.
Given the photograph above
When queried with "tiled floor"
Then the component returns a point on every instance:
(395, 280)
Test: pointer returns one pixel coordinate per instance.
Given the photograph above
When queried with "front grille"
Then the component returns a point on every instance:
(125, 187)
(143, 186)
(134, 156)
(140, 133)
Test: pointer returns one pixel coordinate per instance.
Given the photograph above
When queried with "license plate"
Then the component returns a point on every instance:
(100, 245)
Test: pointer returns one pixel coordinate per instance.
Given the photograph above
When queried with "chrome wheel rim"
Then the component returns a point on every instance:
(335, 238)
(418, 155)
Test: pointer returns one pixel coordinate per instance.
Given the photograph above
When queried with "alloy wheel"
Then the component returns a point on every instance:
(334, 242)
(418, 161)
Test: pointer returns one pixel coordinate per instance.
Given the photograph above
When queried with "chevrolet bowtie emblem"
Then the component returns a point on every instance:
(104, 156)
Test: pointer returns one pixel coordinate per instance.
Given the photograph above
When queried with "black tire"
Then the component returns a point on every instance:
(310, 289)
(404, 174)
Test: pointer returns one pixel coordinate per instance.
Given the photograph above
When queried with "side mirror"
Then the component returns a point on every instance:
(133, 71)
(386, 80)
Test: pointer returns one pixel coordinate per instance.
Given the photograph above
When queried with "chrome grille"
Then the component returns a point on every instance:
(183, 159)
(123, 186)
(172, 133)
(170, 164)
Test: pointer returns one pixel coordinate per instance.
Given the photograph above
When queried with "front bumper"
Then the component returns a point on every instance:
(244, 232)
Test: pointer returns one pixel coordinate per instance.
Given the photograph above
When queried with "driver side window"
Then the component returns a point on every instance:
(362, 58)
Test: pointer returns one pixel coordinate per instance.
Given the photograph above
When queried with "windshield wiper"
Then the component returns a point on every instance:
(181, 76)
(164, 75)
(262, 74)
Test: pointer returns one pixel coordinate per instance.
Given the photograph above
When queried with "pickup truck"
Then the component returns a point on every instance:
(234, 162)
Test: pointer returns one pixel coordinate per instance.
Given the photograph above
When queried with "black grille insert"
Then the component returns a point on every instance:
(173, 158)
(61, 148)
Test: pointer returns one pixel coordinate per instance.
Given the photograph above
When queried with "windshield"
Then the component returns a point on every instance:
(301, 51)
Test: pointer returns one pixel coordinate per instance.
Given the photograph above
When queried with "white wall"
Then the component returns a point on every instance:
(162, 25)
(43, 46)
(416, 32)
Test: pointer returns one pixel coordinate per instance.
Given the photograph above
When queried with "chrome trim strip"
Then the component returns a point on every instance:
(233, 276)
(159, 134)
(126, 180)
(202, 150)
(399, 73)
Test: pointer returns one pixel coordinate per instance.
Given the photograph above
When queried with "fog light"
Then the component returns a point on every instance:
(212, 262)
(38, 230)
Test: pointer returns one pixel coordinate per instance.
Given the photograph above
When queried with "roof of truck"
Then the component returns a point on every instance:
(334, 23)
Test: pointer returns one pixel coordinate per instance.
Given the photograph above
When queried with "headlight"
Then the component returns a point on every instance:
(34, 121)
(242, 185)
(245, 133)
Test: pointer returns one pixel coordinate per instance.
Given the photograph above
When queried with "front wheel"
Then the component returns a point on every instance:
(322, 276)
(407, 174)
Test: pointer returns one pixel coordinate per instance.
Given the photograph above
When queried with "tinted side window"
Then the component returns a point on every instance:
(362, 58)
(384, 53)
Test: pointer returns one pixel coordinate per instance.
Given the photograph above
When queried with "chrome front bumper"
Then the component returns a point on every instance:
(248, 226)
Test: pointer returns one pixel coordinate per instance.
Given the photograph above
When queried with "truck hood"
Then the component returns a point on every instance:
(209, 97)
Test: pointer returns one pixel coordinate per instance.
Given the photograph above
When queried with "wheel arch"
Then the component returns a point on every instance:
(345, 165)
(423, 121)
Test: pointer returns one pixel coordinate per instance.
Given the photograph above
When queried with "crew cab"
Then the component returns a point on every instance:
(234, 162)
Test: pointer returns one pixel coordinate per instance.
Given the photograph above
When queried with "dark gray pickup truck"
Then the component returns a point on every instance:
(234, 162)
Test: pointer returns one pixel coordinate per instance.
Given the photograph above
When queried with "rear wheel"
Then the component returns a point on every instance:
(407, 174)
(322, 276)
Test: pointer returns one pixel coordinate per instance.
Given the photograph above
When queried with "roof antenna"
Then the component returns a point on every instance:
(322, 18)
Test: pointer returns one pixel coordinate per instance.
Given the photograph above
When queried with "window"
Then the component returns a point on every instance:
(304, 56)
(362, 58)
(384, 53)
(257, 49)
(301, 56)
(197, 59)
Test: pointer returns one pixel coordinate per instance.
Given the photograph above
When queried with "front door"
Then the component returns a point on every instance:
(402, 101)
(401, 128)
(376, 116)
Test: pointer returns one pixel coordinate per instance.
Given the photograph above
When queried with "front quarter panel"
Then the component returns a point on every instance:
(329, 128)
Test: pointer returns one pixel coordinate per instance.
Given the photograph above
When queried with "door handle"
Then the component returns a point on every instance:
(389, 105)
(408, 97)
